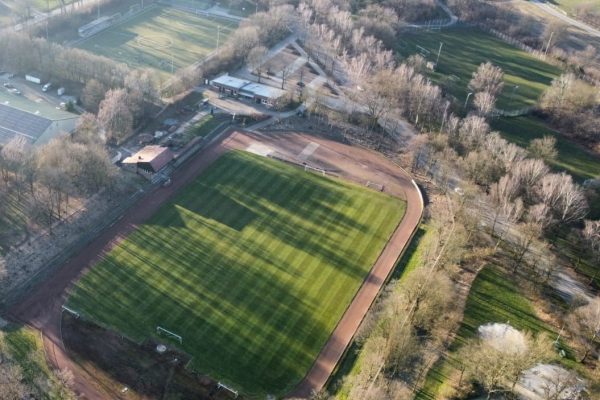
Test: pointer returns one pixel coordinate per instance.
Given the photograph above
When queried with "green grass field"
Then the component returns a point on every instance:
(24, 345)
(571, 5)
(462, 52)
(206, 125)
(493, 298)
(162, 38)
(572, 157)
(253, 264)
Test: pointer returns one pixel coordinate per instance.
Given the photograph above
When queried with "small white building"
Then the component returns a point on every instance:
(258, 92)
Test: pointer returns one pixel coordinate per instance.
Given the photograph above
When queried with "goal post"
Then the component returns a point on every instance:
(316, 170)
(71, 311)
(160, 330)
(227, 388)
(374, 185)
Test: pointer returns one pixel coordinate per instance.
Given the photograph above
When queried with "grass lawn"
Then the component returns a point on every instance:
(206, 125)
(572, 157)
(253, 264)
(25, 346)
(570, 5)
(465, 48)
(493, 298)
(160, 38)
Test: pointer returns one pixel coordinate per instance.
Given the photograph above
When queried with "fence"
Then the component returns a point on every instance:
(511, 113)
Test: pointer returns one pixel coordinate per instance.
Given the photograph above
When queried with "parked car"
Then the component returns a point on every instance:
(60, 91)
(8, 85)
(46, 87)
(15, 91)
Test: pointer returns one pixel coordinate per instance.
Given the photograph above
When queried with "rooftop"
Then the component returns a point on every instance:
(258, 89)
(156, 156)
(22, 117)
(231, 81)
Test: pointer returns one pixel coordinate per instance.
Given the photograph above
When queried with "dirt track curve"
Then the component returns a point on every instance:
(42, 307)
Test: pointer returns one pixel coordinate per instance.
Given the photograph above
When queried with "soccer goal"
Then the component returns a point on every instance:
(227, 388)
(375, 185)
(316, 170)
(71, 311)
(162, 331)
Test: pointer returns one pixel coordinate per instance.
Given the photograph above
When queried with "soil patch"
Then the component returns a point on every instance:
(117, 361)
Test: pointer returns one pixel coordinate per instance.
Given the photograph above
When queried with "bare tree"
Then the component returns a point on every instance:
(591, 236)
(544, 148)
(497, 363)
(488, 78)
(484, 103)
(563, 384)
(11, 378)
(256, 59)
(114, 115)
(92, 94)
(587, 318)
(564, 198)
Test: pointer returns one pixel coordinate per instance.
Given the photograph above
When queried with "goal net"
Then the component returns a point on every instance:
(316, 170)
(374, 185)
(162, 331)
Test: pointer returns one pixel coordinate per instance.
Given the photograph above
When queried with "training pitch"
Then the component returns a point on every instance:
(464, 48)
(253, 264)
(160, 38)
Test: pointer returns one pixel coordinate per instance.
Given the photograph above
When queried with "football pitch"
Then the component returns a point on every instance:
(464, 48)
(253, 264)
(160, 38)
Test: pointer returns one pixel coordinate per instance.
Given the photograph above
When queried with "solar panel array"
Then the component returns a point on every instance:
(16, 122)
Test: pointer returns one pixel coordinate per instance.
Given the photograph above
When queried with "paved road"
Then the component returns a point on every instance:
(549, 9)
(453, 18)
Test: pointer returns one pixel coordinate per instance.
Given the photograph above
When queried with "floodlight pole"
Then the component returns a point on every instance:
(439, 52)
(47, 16)
(467, 100)
(512, 98)
(445, 115)
(548, 45)
(98, 8)
(218, 35)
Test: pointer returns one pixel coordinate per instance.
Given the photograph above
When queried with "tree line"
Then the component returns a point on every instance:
(47, 178)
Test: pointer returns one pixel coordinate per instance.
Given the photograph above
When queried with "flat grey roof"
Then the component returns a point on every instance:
(230, 81)
(258, 89)
(17, 122)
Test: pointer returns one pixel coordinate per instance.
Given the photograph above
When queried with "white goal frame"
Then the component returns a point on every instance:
(229, 389)
(71, 311)
(317, 170)
(167, 332)
(374, 185)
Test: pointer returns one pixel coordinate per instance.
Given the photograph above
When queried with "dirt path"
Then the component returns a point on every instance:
(42, 308)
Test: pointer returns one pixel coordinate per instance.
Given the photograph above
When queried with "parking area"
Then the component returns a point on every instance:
(19, 86)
